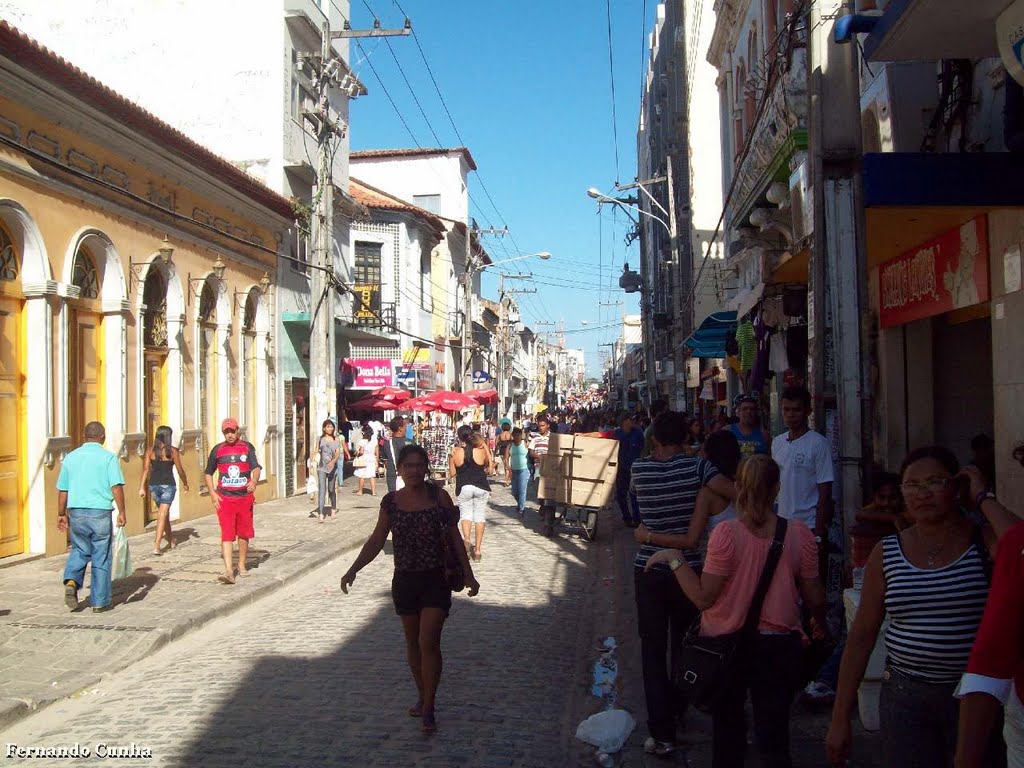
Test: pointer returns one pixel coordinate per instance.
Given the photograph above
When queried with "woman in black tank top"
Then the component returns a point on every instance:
(469, 465)
(161, 460)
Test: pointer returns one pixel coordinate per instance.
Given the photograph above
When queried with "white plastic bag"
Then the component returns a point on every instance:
(311, 488)
(607, 730)
(121, 568)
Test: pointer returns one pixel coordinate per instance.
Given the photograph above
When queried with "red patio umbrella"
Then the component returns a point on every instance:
(451, 401)
(391, 393)
(484, 396)
(371, 403)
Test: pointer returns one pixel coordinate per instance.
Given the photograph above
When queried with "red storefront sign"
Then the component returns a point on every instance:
(947, 273)
(372, 373)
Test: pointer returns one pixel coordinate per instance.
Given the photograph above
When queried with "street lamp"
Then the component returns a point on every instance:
(630, 282)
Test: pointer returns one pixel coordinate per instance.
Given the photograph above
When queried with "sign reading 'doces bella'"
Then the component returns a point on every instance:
(946, 273)
(372, 373)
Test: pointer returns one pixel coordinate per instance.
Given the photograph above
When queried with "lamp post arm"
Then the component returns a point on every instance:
(627, 208)
(653, 199)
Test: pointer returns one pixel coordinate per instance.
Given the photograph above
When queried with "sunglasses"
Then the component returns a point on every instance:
(229, 431)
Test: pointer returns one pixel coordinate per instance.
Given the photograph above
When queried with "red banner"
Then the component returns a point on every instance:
(947, 273)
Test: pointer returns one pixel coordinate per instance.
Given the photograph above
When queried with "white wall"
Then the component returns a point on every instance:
(406, 177)
(705, 165)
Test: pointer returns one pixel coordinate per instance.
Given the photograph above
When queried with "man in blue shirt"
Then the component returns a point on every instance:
(631, 445)
(89, 485)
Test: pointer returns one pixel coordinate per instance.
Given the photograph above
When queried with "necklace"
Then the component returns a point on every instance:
(932, 555)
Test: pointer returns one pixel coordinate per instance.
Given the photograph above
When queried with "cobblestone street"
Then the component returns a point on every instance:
(312, 677)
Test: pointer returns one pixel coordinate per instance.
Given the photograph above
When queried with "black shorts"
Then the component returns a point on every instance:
(412, 591)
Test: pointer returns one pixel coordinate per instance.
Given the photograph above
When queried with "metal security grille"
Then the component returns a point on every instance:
(375, 352)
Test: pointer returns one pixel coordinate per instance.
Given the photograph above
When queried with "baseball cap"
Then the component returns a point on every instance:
(229, 423)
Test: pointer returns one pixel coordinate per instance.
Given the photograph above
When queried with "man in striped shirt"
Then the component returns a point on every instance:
(238, 470)
(666, 486)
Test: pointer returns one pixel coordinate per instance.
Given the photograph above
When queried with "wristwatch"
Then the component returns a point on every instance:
(983, 497)
(675, 563)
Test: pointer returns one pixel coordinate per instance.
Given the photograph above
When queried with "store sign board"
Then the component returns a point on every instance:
(372, 373)
(946, 273)
(1010, 39)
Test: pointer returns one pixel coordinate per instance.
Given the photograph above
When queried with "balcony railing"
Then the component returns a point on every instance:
(382, 318)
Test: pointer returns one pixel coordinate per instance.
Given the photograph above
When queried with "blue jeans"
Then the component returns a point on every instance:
(520, 482)
(92, 534)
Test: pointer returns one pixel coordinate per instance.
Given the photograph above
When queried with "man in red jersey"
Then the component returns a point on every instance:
(238, 470)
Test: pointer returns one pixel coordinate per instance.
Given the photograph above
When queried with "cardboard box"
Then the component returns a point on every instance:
(579, 471)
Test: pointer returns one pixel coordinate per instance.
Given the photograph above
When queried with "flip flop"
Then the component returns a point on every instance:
(429, 723)
(416, 710)
(225, 579)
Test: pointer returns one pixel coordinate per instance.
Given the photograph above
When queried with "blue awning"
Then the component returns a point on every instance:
(709, 339)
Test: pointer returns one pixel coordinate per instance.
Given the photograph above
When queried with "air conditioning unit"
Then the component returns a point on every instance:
(801, 201)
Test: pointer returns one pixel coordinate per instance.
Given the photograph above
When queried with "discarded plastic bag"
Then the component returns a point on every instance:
(607, 730)
(121, 568)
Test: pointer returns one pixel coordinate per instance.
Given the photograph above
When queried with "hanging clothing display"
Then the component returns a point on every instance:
(778, 360)
(760, 371)
(438, 440)
(747, 344)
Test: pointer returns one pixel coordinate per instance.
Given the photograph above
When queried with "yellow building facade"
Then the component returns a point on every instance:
(136, 289)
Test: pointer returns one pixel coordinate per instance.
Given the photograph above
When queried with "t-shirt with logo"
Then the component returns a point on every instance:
(234, 465)
(805, 463)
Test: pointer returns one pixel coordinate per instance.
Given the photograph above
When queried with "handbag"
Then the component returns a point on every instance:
(706, 665)
(454, 576)
(362, 461)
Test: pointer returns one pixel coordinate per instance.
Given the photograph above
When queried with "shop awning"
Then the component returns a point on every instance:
(709, 339)
(911, 197)
(924, 30)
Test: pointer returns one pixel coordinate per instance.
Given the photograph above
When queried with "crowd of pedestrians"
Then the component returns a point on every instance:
(731, 528)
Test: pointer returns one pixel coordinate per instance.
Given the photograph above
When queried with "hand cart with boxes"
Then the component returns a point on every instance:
(577, 480)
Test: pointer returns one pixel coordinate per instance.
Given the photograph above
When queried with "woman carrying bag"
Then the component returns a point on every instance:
(757, 569)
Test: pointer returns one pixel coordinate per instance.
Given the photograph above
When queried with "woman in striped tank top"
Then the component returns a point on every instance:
(932, 580)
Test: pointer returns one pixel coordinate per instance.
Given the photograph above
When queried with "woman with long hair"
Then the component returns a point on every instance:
(330, 451)
(157, 468)
(469, 465)
(768, 663)
(423, 522)
(932, 579)
(504, 444)
(366, 453)
(695, 437)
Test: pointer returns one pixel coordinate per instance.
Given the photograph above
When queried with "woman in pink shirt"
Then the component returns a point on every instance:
(769, 666)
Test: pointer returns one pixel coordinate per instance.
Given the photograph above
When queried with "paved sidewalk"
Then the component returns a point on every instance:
(48, 652)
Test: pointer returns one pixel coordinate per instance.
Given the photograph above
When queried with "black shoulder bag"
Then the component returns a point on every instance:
(706, 665)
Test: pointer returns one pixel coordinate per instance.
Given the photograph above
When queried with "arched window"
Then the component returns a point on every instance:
(8, 257)
(249, 319)
(872, 135)
(207, 303)
(84, 274)
(154, 296)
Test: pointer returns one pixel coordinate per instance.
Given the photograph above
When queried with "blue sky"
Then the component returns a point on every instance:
(528, 86)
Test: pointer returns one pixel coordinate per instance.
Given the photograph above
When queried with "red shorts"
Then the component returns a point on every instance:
(235, 516)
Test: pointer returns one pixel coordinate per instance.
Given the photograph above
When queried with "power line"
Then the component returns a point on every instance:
(611, 75)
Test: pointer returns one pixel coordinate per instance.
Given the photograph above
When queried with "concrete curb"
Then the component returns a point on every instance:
(13, 711)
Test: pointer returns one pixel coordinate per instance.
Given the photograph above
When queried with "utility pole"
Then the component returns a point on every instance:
(504, 337)
(467, 301)
(330, 73)
(838, 264)
(322, 390)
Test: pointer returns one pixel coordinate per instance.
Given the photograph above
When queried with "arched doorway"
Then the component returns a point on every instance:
(207, 359)
(250, 368)
(12, 399)
(85, 343)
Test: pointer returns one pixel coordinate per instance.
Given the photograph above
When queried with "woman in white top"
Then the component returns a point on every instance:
(366, 454)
